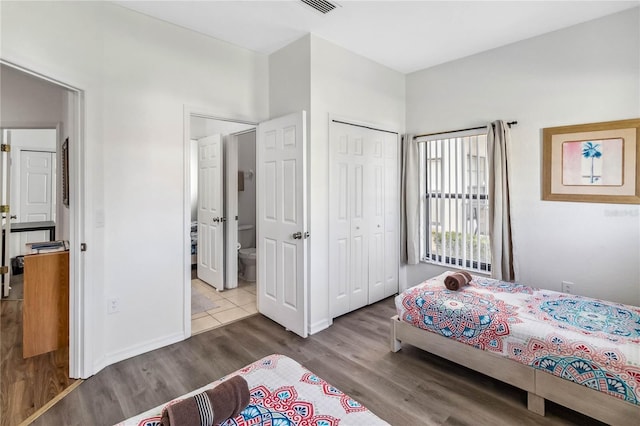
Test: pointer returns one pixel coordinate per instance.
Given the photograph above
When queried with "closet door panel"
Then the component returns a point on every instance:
(392, 215)
(358, 238)
(342, 273)
(376, 210)
(340, 226)
(376, 267)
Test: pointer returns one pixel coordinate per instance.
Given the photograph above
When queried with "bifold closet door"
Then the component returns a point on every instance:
(363, 217)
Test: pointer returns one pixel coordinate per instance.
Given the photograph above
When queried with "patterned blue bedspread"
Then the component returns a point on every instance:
(588, 341)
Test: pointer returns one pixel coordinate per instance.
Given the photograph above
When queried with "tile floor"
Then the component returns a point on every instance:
(231, 305)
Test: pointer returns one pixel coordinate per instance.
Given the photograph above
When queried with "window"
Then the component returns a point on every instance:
(455, 201)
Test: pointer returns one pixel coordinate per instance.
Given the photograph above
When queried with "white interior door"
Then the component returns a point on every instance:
(282, 221)
(231, 208)
(5, 185)
(33, 183)
(210, 212)
(36, 195)
(36, 186)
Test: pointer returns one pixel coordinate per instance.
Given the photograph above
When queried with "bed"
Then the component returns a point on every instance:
(579, 352)
(283, 393)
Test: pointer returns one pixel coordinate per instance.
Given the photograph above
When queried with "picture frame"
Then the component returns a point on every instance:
(593, 163)
(65, 172)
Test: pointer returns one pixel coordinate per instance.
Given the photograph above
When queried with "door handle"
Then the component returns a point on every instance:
(297, 236)
(216, 219)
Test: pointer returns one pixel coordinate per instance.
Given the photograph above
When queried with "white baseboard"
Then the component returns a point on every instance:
(131, 351)
(98, 365)
(319, 326)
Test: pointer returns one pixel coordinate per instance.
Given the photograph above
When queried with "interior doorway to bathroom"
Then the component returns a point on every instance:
(223, 214)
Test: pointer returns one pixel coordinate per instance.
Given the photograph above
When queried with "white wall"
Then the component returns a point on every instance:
(290, 78)
(586, 73)
(138, 74)
(26, 100)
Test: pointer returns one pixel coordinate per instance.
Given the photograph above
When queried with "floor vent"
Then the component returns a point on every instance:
(322, 6)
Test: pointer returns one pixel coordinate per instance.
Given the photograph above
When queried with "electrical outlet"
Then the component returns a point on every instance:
(567, 287)
(113, 305)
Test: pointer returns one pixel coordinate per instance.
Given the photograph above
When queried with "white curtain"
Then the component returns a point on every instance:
(410, 203)
(499, 147)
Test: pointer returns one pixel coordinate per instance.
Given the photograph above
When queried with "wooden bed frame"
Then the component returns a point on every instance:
(538, 384)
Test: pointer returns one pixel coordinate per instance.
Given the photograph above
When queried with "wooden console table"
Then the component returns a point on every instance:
(45, 310)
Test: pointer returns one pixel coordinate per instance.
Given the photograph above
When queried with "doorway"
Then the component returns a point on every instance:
(222, 205)
(38, 113)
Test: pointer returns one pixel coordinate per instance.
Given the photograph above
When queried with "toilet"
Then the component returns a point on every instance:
(246, 253)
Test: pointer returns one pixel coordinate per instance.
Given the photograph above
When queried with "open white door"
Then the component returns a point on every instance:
(37, 186)
(282, 221)
(210, 212)
(5, 186)
(231, 209)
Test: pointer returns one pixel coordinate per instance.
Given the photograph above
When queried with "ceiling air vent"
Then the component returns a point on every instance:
(322, 6)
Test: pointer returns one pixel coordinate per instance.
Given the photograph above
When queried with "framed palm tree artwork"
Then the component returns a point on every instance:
(596, 162)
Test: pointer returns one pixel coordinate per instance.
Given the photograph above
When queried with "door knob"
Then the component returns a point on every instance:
(297, 236)
(216, 219)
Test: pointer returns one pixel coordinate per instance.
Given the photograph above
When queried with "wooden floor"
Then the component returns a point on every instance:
(26, 384)
(410, 387)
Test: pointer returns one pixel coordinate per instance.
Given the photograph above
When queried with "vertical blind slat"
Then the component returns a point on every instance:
(455, 201)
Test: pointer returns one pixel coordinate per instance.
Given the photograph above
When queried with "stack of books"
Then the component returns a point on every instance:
(47, 247)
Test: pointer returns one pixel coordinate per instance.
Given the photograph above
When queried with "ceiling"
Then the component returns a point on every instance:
(403, 35)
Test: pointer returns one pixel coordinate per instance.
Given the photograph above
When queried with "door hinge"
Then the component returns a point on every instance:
(4, 209)
(83, 246)
(5, 147)
(4, 270)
